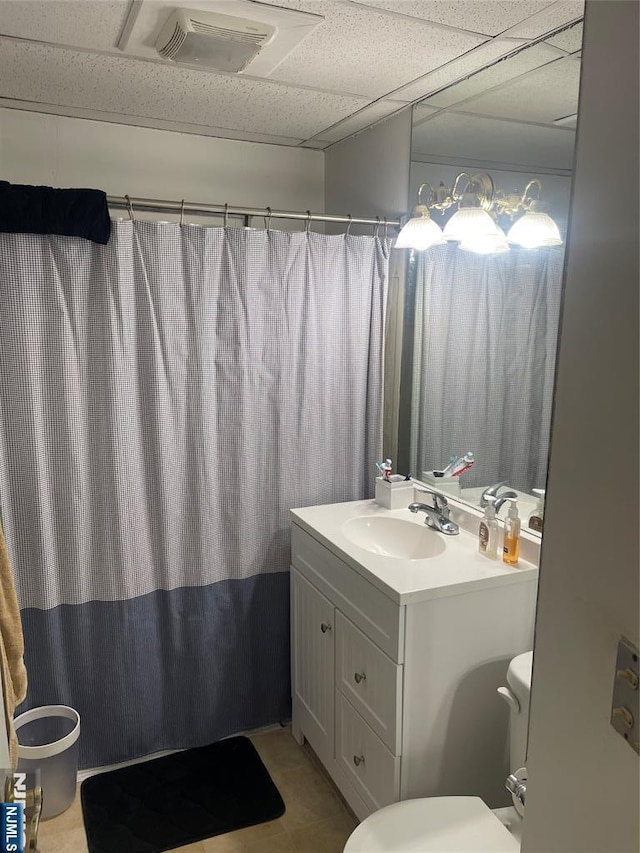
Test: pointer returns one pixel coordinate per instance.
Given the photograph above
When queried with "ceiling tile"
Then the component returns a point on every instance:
(497, 75)
(542, 96)
(563, 12)
(364, 52)
(77, 22)
(477, 58)
(151, 123)
(487, 17)
(362, 119)
(569, 40)
(132, 87)
(502, 142)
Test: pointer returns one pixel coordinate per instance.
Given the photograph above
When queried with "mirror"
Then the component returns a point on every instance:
(480, 330)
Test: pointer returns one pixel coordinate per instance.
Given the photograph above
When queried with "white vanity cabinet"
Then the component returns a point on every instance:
(395, 692)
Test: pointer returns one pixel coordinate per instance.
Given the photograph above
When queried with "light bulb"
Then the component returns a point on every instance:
(470, 224)
(535, 229)
(420, 232)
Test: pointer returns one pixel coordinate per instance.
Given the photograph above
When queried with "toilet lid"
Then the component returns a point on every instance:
(433, 825)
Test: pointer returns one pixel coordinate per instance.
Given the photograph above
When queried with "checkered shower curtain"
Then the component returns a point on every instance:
(164, 401)
(484, 362)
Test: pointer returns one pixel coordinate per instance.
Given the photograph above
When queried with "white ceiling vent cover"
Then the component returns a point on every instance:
(228, 36)
(219, 42)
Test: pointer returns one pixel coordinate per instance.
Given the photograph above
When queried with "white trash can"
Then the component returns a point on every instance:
(48, 742)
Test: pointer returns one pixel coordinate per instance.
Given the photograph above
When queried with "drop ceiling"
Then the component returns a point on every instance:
(365, 61)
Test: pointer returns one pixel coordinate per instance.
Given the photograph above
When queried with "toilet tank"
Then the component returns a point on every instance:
(519, 688)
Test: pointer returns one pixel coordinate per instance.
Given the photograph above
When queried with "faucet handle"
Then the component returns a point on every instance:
(492, 490)
(440, 502)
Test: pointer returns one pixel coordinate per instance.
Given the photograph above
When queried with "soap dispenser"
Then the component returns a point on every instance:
(511, 546)
(489, 532)
(537, 516)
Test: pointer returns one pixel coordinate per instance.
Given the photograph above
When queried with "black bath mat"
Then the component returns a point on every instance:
(179, 799)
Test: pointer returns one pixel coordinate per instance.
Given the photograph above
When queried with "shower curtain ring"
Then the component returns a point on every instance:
(182, 213)
(376, 227)
(346, 233)
(129, 208)
(308, 225)
(226, 215)
(267, 221)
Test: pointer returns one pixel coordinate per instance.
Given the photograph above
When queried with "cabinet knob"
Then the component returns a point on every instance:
(359, 676)
(358, 760)
(324, 627)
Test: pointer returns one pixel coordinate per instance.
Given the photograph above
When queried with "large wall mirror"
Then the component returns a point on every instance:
(480, 326)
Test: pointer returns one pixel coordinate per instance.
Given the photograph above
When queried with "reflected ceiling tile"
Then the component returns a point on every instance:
(502, 72)
(488, 17)
(368, 53)
(458, 68)
(550, 19)
(360, 120)
(54, 75)
(76, 22)
(456, 135)
(569, 40)
(543, 95)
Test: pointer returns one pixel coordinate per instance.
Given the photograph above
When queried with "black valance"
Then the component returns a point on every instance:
(43, 210)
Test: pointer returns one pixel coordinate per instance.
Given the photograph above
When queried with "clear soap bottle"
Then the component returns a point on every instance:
(511, 544)
(489, 532)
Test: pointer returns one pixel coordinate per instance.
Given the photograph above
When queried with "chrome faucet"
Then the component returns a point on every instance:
(517, 787)
(438, 514)
(505, 496)
(492, 492)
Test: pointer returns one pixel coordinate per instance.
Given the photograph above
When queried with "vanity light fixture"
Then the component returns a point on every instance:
(420, 232)
(474, 225)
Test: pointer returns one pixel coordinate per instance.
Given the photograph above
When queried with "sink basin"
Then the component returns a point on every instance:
(394, 537)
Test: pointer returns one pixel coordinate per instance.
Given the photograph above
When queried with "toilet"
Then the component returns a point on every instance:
(457, 824)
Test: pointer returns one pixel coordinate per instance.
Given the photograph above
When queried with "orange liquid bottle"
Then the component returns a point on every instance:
(511, 546)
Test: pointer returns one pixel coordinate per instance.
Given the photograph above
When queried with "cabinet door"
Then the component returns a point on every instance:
(313, 630)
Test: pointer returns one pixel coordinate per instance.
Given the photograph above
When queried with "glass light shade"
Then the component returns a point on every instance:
(533, 230)
(488, 244)
(420, 232)
(469, 225)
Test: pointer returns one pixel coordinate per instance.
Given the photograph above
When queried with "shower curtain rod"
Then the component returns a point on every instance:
(164, 205)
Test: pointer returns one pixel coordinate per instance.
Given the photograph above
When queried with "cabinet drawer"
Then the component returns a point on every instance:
(381, 619)
(370, 767)
(370, 680)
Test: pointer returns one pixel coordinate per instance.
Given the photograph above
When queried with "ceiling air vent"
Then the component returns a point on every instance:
(211, 40)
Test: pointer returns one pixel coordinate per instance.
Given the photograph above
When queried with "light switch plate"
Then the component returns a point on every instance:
(625, 708)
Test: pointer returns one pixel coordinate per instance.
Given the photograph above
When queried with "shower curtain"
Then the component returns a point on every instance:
(164, 401)
(486, 330)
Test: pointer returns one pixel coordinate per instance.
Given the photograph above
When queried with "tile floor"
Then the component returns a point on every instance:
(315, 821)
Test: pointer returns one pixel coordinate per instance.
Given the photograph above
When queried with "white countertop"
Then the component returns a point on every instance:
(459, 568)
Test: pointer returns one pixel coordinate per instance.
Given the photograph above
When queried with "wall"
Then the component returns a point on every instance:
(36, 148)
(583, 777)
(368, 174)
(556, 189)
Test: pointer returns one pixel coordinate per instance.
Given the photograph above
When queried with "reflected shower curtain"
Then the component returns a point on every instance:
(164, 401)
(484, 361)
